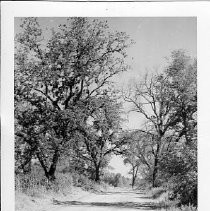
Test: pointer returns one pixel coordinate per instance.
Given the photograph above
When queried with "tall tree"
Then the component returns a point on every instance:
(166, 102)
(56, 77)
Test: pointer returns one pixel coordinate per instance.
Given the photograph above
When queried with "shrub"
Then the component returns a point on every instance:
(162, 196)
(179, 168)
(156, 192)
(182, 208)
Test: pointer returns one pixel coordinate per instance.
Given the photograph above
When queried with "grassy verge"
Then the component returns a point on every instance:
(33, 191)
(161, 196)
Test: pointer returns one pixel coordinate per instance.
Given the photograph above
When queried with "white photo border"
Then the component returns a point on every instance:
(102, 9)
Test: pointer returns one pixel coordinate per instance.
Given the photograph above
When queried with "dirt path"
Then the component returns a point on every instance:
(114, 200)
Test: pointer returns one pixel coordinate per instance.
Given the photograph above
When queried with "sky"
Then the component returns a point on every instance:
(154, 39)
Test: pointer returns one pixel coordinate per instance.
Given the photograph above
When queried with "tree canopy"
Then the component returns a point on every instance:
(168, 140)
(58, 78)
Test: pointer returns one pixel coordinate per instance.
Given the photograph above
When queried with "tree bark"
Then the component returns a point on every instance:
(133, 181)
(97, 173)
(135, 171)
(156, 162)
(154, 175)
(50, 174)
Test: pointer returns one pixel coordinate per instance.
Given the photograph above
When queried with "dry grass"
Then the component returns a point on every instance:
(161, 197)
(34, 192)
(35, 186)
(182, 208)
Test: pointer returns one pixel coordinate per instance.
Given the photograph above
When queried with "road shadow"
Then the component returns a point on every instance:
(114, 193)
(144, 197)
(127, 205)
(120, 192)
(140, 193)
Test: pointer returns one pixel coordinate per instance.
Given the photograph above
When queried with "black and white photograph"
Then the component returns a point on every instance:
(105, 113)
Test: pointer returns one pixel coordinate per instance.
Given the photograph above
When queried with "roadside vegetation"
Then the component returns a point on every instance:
(68, 116)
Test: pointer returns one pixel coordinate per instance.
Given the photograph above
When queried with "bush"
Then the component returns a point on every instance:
(182, 208)
(188, 208)
(185, 188)
(162, 196)
(179, 169)
(156, 192)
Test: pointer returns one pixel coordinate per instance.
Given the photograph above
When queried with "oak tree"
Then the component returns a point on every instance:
(56, 76)
(167, 101)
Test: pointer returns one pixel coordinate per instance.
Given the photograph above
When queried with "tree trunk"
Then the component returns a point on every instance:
(154, 175)
(97, 174)
(133, 181)
(50, 174)
(134, 174)
(156, 161)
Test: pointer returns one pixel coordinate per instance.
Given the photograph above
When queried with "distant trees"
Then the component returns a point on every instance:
(134, 167)
(56, 79)
(131, 158)
(139, 154)
(116, 180)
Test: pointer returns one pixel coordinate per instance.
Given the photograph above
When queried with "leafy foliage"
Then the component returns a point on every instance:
(168, 102)
(99, 139)
(57, 81)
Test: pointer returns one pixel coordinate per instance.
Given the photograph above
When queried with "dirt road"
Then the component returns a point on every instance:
(114, 200)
